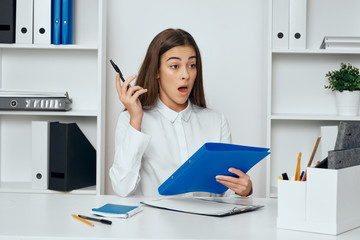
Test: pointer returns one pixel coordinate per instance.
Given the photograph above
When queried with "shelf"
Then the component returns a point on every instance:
(298, 105)
(25, 187)
(316, 51)
(78, 68)
(47, 46)
(89, 113)
(311, 117)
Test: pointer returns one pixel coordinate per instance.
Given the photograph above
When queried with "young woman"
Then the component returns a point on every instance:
(166, 119)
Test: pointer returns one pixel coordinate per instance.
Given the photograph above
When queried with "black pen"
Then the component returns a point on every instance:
(117, 69)
(285, 176)
(108, 222)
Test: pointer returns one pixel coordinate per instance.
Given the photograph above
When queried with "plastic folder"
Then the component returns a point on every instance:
(198, 173)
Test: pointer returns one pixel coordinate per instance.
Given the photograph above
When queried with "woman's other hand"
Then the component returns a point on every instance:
(241, 186)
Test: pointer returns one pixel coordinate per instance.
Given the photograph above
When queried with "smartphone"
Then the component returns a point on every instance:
(117, 69)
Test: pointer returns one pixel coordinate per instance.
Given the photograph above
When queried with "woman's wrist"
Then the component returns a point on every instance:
(136, 123)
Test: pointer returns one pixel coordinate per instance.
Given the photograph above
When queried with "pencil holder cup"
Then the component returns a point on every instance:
(328, 202)
(292, 204)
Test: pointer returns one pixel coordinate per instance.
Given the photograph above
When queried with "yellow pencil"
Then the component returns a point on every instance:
(297, 173)
(83, 220)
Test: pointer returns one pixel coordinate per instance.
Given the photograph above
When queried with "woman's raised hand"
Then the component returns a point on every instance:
(129, 96)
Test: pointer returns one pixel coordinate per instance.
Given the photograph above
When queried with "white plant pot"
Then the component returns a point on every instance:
(347, 102)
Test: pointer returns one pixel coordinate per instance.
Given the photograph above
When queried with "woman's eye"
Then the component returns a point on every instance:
(193, 65)
(174, 66)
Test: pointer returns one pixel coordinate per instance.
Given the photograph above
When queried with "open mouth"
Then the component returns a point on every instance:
(183, 89)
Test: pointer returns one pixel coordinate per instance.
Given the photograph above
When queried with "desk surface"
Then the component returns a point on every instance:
(34, 216)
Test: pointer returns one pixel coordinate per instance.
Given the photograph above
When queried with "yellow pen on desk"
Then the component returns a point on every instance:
(83, 220)
(297, 172)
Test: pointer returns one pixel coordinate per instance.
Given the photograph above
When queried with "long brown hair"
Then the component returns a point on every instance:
(163, 42)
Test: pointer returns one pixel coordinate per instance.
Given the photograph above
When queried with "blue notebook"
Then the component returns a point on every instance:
(116, 210)
(198, 173)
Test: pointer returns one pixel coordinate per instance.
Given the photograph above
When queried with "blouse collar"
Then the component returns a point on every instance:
(170, 114)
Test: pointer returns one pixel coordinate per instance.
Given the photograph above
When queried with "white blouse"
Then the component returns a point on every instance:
(144, 160)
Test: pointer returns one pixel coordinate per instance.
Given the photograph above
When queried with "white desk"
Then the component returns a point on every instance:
(44, 216)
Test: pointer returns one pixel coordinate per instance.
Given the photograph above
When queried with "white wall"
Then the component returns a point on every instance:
(232, 37)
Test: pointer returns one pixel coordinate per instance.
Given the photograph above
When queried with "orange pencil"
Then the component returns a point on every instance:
(83, 220)
(297, 173)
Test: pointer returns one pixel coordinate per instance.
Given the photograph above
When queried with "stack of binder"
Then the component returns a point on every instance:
(36, 21)
(340, 42)
(63, 159)
(347, 146)
(289, 24)
(62, 21)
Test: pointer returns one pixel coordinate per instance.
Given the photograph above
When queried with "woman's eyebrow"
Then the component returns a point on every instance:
(177, 58)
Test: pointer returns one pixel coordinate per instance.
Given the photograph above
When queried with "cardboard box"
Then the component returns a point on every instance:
(328, 202)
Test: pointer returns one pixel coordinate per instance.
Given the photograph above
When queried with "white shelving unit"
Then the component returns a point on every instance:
(78, 69)
(298, 103)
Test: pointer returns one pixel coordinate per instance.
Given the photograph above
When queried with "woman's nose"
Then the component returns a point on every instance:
(185, 74)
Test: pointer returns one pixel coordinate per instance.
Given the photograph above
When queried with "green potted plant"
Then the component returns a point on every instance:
(345, 82)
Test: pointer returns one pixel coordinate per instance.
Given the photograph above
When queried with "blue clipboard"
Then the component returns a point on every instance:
(198, 173)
